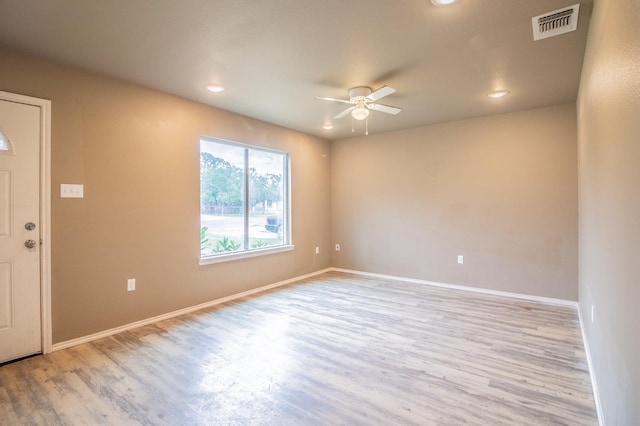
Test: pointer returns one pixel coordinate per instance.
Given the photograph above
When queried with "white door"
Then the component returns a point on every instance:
(20, 323)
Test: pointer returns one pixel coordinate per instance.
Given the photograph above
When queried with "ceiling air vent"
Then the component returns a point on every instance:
(555, 23)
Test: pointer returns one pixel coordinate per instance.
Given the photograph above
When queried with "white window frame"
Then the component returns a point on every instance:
(249, 252)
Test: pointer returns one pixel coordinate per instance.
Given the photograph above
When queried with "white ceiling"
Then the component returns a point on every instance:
(274, 57)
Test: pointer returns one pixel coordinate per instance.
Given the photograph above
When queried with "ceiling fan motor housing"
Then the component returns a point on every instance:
(359, 93)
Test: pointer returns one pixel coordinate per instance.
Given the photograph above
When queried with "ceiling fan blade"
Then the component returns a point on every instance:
(333, 99)
(380, 93)
(345, 112)
(384, 108)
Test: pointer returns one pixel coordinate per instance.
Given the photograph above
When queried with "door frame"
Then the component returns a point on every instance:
(45, 211)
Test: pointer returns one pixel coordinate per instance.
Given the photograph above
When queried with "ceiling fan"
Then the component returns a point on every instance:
(363, 99)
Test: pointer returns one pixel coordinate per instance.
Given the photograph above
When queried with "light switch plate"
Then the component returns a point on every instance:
(68, 190)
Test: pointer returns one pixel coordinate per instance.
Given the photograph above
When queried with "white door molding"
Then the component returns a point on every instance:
(45, 210)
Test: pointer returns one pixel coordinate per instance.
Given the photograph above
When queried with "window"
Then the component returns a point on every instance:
(244, 200)
(5, 147)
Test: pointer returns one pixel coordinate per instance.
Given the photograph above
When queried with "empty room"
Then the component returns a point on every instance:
(220, 212)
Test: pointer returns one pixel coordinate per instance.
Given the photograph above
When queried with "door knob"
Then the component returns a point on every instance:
(29, 226)
(30, 244)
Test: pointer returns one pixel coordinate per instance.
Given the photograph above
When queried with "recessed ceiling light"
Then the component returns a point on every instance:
(215, 88)
(443, 2)
(498, 94)
(328, 126)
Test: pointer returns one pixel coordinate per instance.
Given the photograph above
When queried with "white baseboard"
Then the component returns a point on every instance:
(130, 326)
(594, 384)
(553, 301)
(548, 300)
(136, 324)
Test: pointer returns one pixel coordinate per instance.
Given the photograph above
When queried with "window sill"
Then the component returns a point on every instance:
(243, 255)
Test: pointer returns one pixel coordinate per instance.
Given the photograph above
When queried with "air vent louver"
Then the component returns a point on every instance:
(555, 23)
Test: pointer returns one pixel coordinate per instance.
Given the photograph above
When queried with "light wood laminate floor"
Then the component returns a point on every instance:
(335, 349)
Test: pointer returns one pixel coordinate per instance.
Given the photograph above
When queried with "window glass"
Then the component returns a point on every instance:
(4, 144)
(266, 198)
(243, 198)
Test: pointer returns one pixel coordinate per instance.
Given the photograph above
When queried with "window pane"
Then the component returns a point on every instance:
(267, 225)
(4, 145)
(222, 194)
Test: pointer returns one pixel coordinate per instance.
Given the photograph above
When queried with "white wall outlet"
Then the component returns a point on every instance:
(71, 190)
(317, 250)
(460, 259)
(337, 247)
(131, 284)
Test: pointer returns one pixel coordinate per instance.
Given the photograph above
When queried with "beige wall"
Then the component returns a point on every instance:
(609, 170)
(500, 190)
(137, 153)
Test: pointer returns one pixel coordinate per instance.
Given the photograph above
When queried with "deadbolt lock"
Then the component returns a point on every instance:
(29, 226)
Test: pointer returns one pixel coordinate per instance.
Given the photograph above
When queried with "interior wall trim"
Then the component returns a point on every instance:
(594, 383)
(136, 324)
(547, 300)
(141, 323)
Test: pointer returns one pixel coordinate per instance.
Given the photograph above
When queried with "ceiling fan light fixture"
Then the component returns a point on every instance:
(215, 88)
(327, 126)
(360, 112)
(361, 100)
(497, 94)
(440, 3)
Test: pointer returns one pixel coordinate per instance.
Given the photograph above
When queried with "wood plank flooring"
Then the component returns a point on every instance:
(337, 349)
